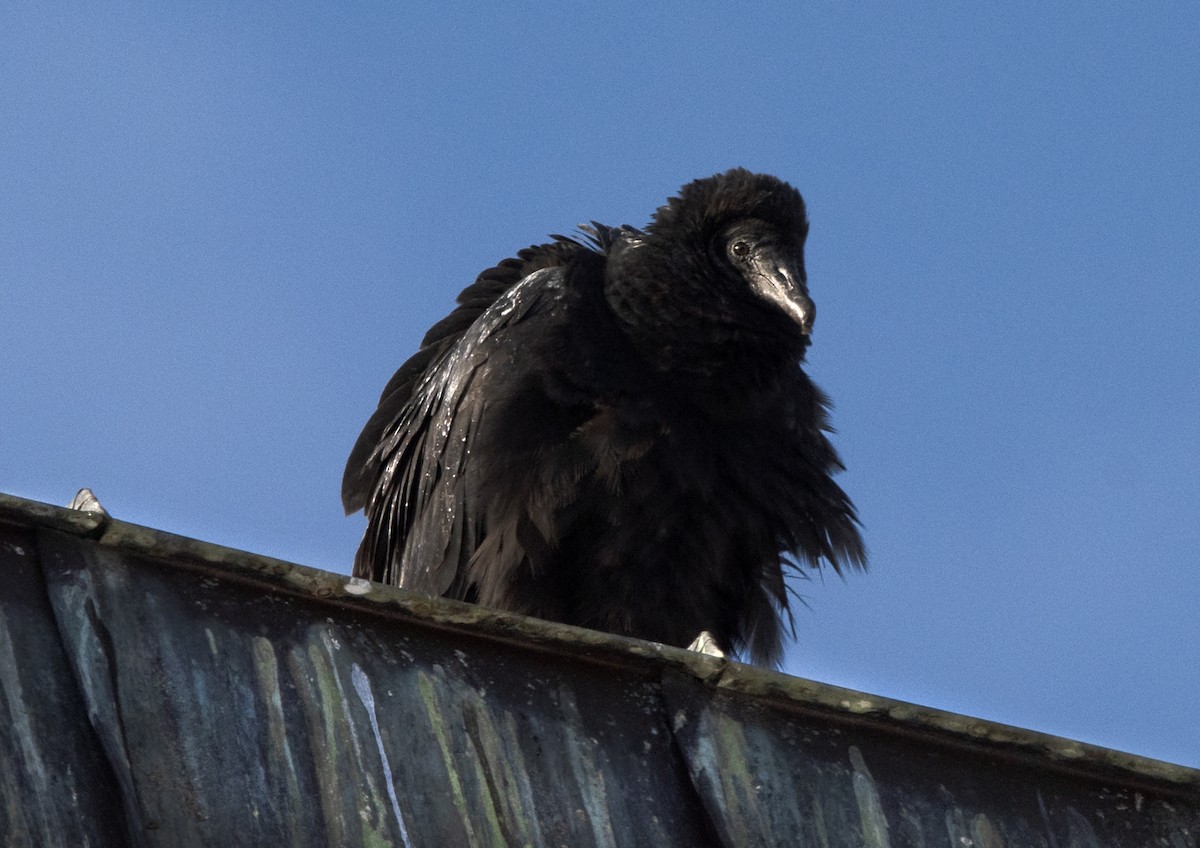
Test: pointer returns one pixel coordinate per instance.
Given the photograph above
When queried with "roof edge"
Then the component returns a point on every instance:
(648, 659)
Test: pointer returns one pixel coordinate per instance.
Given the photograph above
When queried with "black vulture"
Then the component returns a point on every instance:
(614, 431)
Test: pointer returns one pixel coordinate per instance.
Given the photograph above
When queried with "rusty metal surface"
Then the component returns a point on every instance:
(160, 691)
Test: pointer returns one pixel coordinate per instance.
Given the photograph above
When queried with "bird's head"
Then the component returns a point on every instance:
(726, 255)
(770, 263)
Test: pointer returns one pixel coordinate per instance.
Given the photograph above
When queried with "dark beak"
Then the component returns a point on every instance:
(782, 283)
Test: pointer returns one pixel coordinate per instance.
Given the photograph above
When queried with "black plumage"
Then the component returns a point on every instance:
(614, 431)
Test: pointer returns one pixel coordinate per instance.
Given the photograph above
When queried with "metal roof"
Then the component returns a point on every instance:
(161, 691)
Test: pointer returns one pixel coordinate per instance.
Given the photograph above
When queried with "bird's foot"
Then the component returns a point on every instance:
(706, 644)
(85, 501)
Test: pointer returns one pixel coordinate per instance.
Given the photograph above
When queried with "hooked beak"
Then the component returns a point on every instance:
(782, 283)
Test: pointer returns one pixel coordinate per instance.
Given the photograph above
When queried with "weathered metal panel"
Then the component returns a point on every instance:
(238, 700)
(55, 784)
(229, 714)
(823, 782)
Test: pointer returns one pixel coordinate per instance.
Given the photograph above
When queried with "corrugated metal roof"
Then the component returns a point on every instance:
(161, 691)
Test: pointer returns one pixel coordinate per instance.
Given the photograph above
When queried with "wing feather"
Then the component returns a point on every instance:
(425, 510)
(364, 464)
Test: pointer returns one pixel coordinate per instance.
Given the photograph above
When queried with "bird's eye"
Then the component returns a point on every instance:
(740, 248)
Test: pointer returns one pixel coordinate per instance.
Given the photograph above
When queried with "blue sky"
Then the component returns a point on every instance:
(222, 229)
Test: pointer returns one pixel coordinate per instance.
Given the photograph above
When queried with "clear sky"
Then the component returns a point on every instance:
(223, 227)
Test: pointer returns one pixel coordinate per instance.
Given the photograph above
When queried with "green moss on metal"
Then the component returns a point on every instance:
(500, 765)
(442, 733)
(870, 808)
(266, 670)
